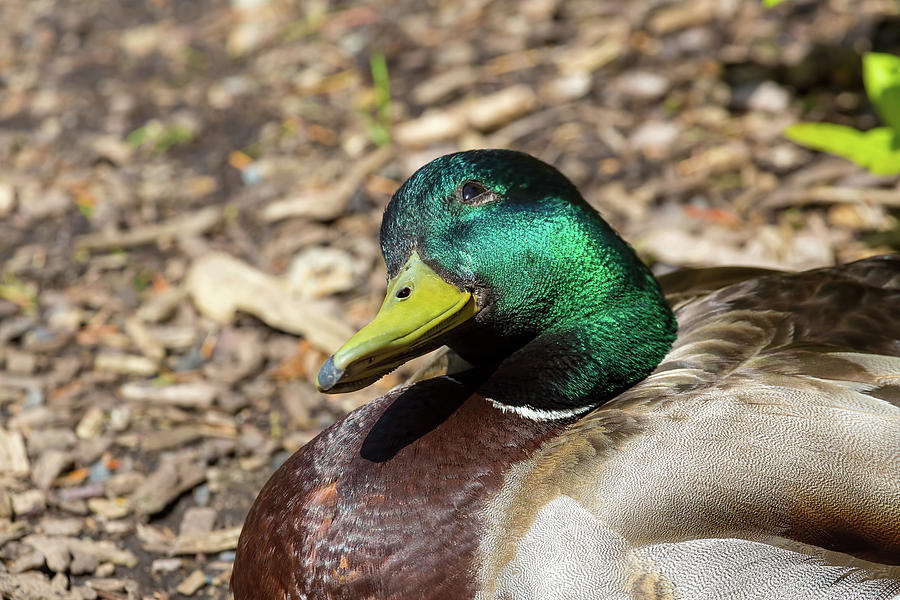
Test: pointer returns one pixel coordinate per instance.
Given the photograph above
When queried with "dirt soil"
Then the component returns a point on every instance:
(191, 190)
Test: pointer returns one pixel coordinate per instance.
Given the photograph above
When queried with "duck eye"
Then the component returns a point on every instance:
(404, 293)
(471, 190)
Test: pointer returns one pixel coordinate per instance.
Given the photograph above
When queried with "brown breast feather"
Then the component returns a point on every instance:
(384, 504)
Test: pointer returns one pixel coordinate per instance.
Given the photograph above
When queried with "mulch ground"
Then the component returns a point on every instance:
(191, 191)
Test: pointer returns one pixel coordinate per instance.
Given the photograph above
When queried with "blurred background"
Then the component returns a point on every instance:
(190, 195)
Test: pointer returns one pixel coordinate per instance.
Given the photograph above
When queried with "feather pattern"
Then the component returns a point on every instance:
(764, 449)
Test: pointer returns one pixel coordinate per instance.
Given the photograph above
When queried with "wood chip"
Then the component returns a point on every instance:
(193, 395)
(35, 586)
(12, 531)
(494, 110)
(207, 543)
(49, 466)
(197, 520)
(183, 225)
(5, 506)
(160, 306)
(13, 459)
(91, 424)
(171, 438)
(719, 159)
(826, 194)
(27, 561)
(165, 484)
(105, 551)
(111, 508)
(433, 126)
(591, 58)
(194, 582)
(221, 285)
(143, 339)
(82, 562)
(29, 502)
(166, 565)
(682, 15)
(444, 84)
(125, 364)
(329, 203)
(55, 551)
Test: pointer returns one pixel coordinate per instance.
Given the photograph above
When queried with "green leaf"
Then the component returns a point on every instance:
(881, 76)
(771, 3)
(136, 138)
(878, 149)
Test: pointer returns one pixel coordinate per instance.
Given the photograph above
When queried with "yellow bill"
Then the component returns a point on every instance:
(417, 312)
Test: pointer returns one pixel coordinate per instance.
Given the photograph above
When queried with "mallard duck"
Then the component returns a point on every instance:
(714, 434)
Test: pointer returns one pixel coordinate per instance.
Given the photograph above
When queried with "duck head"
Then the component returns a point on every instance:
(496, 254)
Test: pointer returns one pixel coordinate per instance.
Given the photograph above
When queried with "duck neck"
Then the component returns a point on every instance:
(609, 332)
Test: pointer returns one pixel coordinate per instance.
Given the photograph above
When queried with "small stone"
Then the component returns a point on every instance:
(119, 418)
(141, 41)
(769, 97)
(655, 138)
(29, 502)
(766, 96)
(245, 37)
(227, 556)
(570, 87)
(166, 565)
(194, 582)
(784, 157)
(99, 472)
(643, 85)
(202, 495)
(696, 39)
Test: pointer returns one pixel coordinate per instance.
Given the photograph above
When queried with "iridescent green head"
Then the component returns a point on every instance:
(497, 255)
